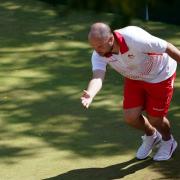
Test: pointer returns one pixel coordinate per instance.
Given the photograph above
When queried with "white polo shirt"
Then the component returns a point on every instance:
(141, 56)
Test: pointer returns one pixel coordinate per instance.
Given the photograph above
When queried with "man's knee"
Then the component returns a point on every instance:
(128, 118)
(132, 115)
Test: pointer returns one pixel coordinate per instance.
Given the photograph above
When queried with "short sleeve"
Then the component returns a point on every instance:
(98, 62)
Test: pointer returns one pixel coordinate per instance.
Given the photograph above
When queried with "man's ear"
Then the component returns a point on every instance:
(111, 40)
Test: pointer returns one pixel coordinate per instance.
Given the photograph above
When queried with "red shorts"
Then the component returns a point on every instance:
(155, 98)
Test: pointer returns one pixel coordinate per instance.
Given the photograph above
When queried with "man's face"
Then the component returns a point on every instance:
(102, 46)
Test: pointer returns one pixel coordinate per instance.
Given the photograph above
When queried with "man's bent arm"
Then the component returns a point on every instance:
(173, 52)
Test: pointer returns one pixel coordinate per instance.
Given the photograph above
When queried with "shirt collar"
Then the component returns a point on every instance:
(122, 44)
(121, 41)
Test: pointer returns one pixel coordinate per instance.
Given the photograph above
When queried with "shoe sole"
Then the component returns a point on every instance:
(144, 157)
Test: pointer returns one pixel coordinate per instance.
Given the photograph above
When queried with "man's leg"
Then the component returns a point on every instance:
(168, 144)
(162, 125)
(135, 119)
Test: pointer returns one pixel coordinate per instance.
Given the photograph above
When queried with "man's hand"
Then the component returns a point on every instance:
(86, 99)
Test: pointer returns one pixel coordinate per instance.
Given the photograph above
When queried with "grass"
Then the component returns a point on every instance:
(44, 131)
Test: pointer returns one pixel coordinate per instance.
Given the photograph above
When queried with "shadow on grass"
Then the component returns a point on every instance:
(111, 172)
(42, 85)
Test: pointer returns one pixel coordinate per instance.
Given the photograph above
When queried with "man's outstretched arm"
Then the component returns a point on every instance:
(94, 87)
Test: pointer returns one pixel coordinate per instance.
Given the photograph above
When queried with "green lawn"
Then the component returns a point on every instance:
(44, 131)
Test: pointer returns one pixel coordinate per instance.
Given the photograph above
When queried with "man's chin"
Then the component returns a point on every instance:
(105, 54)
(102, 54)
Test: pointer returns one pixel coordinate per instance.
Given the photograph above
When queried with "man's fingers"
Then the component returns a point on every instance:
(85, 103)
(85, 91)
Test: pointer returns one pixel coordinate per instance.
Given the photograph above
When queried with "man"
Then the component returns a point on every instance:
(149, 65)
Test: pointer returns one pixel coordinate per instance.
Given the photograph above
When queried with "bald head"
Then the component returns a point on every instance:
(101, 38)
(99, 31)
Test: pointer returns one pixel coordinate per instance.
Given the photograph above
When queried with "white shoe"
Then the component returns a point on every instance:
(166, 150)
(148, 143)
